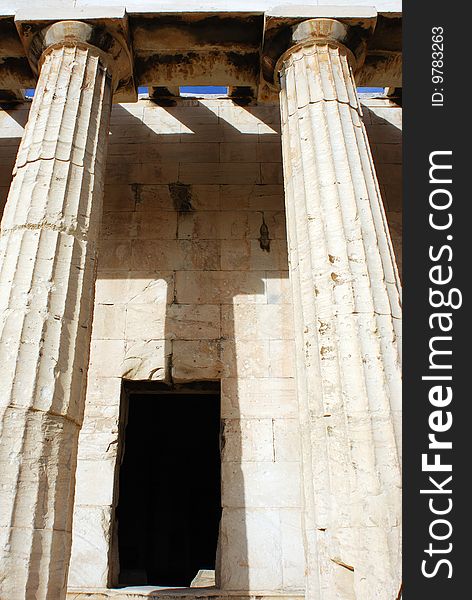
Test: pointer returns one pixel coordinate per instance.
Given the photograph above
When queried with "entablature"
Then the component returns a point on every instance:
(234, 46)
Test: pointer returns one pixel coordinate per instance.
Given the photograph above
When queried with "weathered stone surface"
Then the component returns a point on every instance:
(156, 593)
(145, 321)
(47, 262)
(246, 255)
(139, 287)
(196, 360)
(346, 301)
(248, 440)
(286, 440)
(108, 322)
(252, 197)
(279, 289)
(260, 484)
(255, 536)
(107, 358)
(92, 525)
(220, 287)
(213, 225)
(204, 578)
(144, 360)
(246, 359)
(190, 322)
(188, 316)
(258, 397)
(293, 556)
(95, 482)
(178, 255)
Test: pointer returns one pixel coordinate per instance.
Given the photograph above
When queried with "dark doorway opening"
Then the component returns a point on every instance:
(169, 503)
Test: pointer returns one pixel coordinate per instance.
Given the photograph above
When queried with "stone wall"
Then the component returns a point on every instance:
(193, 285)
(383, 120)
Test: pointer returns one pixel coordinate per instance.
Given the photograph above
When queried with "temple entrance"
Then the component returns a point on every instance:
(169, 503)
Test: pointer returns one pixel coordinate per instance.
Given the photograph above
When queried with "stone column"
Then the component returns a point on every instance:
(48, 244)
(346, 296)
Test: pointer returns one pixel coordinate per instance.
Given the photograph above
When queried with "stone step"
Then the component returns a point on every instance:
(158, 593)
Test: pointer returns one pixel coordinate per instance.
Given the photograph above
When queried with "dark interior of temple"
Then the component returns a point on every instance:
(169, 503)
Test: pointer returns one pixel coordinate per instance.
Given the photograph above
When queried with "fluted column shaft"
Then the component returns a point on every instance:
(48, 244)
(346, 298)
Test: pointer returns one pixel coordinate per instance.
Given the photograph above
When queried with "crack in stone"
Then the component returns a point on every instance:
(50, 226)
(62, 160)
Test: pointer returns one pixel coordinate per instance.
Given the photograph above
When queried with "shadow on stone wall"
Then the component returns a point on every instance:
(193, 223)
(209, 276)
(385, 136)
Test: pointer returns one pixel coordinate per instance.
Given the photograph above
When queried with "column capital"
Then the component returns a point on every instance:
(107, 37)
(351, 37)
